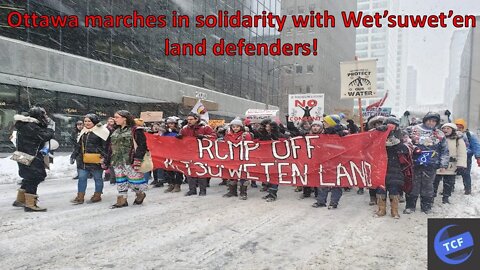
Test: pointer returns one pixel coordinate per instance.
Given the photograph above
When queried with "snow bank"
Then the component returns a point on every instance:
(61, 168)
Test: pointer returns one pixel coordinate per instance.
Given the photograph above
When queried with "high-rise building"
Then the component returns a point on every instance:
(467, 102)
(411, 95)
(321, 73)
(389, 46)
(72, 71)
(457, 43)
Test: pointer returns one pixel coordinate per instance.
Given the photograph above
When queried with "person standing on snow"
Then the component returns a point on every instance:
(394, 178)
(91, 155)
(195, 128)
(128, 147)
(32, 133)
(237, 134)
(430, 154)
(332, 125)
(457, 162)
(473, 150)
(173, 178)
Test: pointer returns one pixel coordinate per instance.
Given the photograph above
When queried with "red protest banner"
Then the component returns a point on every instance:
(325, 160)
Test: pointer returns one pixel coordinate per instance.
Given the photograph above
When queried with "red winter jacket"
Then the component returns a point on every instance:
(196, 130)
(238, 137)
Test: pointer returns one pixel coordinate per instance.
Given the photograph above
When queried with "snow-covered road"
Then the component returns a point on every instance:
(171, 231)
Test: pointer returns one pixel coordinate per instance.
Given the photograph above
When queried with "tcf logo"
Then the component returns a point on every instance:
(453, 250)
(453, 243)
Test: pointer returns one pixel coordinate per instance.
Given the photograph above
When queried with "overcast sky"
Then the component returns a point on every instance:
(429, 48)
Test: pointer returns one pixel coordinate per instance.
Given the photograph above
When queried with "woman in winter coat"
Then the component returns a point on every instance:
(394, 179)
(269, 131)
(237, 134)
(32, 133)
(173, 178)
(457, 162)
(430, 153)
(92, 141)
(129, 146)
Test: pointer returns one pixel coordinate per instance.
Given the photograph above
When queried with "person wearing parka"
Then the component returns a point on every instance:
(394, 178)
(457, 161)
(128, 147)
(236, 134)
(195, 128)
(32, 134)
(430, 153)
(92, 139)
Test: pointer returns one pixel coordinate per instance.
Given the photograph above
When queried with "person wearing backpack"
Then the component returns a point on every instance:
(473, 150)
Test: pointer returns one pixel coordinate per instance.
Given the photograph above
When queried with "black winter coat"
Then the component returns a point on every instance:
(395, 174)
(31, 137)
(90, 143)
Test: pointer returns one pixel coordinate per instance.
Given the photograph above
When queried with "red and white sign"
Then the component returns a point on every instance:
(326, 160)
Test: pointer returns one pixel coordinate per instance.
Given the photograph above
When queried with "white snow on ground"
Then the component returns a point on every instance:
(171, 231)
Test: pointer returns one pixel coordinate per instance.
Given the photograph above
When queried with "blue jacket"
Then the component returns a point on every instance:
(173, 133)
(473, 144)
(431, 142)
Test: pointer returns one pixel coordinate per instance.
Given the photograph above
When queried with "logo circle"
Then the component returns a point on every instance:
(443, 235)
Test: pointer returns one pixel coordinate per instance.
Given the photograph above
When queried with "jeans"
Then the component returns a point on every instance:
(83, 178)
(334, 198)
(467, 178)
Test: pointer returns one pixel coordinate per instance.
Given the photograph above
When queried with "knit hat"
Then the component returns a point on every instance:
(332, 120)
(93, 117)
(450, 125)
(318, 123)
(171, 120)
(236, 122)
(461, 122)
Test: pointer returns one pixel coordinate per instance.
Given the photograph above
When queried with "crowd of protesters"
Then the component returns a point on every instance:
(420, 157)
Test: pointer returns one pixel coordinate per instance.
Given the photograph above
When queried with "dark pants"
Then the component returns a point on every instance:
(307, 191)
(272, 189)
(467, 178)
(201, 182)
(30, 185)
(391, 189)
(372, 192)
(173, 177)
(448, 182)
(158, 175)
(334, 198)
(423, 178)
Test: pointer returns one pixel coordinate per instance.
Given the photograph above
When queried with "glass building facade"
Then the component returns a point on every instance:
(140, 49)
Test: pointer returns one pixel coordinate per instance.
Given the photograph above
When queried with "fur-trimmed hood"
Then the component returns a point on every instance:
(99, 130)
(26, 119)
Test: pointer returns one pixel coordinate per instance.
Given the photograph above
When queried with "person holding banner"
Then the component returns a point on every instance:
(173, 178)
(237, 134)
(126, 159)
(269, 131)
(332, 125)
(195, 128)
(430, 153)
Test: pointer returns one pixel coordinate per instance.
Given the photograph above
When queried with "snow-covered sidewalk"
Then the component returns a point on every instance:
(171, 231)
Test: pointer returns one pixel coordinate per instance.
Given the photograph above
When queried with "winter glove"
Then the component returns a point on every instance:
(179, 136)
(461, 170)
(136, 164)
(72, 161)
(382, 128)
(200, 136)
(478, 162)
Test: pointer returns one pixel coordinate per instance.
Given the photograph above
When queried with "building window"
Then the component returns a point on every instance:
(299, 69)
(309, 68)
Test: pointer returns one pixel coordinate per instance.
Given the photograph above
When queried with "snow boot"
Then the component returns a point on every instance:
(97, 197)
(232, 191)
(373, 200)
(176, 188)
(445, 200)
(191, 192)
(243, 192)
(394, 201)
(170, 188)
(79, 199)
(121, 202)
(426, 205)
(332, 206)
(318, 205)
(31, 204)
(382, 205)
(20, 201)
(411, 204)
(467, 192)
(140, 197)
